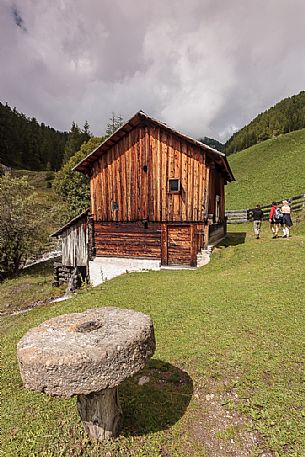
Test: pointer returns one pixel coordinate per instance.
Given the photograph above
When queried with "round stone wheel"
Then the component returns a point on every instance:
(88, 354)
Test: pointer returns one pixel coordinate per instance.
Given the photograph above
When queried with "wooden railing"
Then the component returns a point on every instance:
(238, 216)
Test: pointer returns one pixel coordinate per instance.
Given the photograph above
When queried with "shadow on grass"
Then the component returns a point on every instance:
(233, 239)
(159, 403)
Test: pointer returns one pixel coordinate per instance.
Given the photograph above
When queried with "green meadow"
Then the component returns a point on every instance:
(227, 376)
(271, 170)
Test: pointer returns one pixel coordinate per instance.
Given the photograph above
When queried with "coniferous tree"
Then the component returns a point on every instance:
(71, 187)
(213, 143)
(286, 116)
(24, 143)
(115, 122)
(76, 138)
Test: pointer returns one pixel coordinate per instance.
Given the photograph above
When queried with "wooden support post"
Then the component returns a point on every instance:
(164, 244)
(193, 246)
(91, 239)
(100, 413)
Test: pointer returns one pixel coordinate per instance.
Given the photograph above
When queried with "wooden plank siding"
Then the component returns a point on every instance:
(133, 211)
(134, 174)
(75, 244)
(128, 239)
(179, 246)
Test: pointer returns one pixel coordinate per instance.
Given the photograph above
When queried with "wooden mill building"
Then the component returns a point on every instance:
(156, 194)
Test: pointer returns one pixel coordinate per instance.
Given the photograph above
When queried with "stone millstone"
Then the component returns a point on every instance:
(89, 355)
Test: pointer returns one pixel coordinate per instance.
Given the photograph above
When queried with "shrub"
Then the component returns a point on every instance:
(22, 232)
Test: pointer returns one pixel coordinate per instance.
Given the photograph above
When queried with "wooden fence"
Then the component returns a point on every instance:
(238, 216)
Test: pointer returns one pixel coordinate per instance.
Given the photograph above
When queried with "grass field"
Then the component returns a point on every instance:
(42, 183)
(226, 378)
(33, 285)
(271, 170)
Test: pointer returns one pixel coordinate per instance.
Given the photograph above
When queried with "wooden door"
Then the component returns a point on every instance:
(178, 247)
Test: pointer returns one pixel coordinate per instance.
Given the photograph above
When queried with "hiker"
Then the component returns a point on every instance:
(287, 222)
(275, 219)
(257, 216)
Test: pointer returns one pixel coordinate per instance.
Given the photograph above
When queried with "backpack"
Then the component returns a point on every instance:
(278, 215)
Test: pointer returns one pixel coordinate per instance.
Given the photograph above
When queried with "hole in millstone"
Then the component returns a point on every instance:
(90, 326)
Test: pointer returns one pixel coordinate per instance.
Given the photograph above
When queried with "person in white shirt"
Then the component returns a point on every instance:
(287, 222)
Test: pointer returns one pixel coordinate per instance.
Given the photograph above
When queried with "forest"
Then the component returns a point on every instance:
(286, 116)
(24, 143)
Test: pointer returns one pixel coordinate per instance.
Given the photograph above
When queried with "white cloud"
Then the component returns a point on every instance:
(205, 67)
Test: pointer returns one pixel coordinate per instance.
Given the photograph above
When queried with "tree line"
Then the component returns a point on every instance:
(24, 143)
(284, 117)
(23, 228)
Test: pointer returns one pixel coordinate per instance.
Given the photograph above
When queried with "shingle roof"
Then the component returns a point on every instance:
(84, 166)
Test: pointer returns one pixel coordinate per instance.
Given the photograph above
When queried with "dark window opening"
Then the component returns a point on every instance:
(174, 185)
(145, 168)
(114, 206)
(146, 225)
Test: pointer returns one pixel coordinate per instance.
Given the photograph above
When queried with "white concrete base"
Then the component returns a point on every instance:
(203, 257)
(177, 267)
(104, 268)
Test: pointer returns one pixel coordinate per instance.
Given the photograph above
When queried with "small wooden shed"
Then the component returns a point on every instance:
(75, 248)
(155, 194)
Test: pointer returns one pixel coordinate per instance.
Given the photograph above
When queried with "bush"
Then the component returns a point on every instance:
(72, 187)
(22, 230)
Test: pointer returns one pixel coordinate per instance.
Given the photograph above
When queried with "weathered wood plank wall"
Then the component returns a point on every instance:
(75, 245)
(130, 182)
(128, 239)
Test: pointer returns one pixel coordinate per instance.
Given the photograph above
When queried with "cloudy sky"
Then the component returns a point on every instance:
(205, 67)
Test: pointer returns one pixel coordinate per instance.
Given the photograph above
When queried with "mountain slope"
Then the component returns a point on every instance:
(286, 116)
(24, 143)
(268, 171)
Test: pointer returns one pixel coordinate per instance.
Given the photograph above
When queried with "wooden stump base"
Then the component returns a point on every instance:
(100, 413)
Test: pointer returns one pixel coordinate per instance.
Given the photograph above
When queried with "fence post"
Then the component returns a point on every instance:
(238, 216)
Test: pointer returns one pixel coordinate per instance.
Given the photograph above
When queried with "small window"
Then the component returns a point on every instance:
(145, 168)
(174, 186)
(114, 206)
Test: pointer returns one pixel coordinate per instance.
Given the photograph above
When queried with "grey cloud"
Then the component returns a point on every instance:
(18, 19)
(205, 67)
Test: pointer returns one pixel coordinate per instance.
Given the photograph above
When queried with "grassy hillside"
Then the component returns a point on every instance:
(41, 180)
(42, 183)
(31, 287)
(268, 171)
(227, 375)
(286, 116)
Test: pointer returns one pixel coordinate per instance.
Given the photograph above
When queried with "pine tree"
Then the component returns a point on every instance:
(24, 143)
(76, 137)
(115, 122)
(73, 188)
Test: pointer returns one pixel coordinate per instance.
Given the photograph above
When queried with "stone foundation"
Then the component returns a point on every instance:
(63, 273)
(104, 268)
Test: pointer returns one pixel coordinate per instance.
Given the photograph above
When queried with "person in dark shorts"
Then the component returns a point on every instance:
(257, 216)
(275, 219)
(287, 222)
